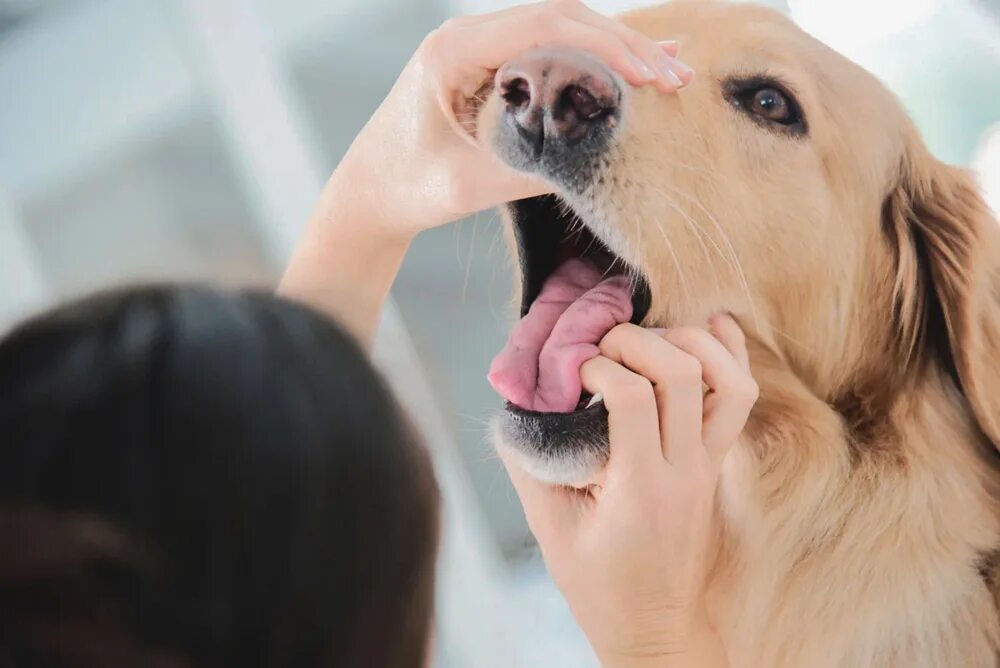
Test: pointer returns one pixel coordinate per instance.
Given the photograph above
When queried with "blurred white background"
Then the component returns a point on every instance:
(186, 139)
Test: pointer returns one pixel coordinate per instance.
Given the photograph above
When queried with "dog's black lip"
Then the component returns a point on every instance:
(565, 422)
(642, 301)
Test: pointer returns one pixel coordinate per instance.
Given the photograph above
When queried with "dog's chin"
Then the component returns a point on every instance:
(556, 448)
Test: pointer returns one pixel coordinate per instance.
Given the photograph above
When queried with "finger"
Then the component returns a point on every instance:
(586, 15)
(670, 47)
(551, 511)
(676, 378)
(732, 390)
(661, 56)
(496, 38)
(719, 368)
(633, 427)
(725, 328)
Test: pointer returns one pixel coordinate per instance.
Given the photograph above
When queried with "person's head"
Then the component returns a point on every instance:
(191, 478)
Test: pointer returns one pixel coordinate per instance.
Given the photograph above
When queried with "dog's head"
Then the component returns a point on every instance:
(785, 185)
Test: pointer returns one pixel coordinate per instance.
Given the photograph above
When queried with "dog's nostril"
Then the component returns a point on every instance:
(581, 102)
(556, 98)
(516, 93)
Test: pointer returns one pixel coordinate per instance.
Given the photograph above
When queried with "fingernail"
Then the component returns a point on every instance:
(594, 400)
(669, 45)
(659, 331)
(683, 70)
(641, 68)
(665, 64)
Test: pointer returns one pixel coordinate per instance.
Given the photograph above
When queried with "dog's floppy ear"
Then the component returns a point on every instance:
(948, 278)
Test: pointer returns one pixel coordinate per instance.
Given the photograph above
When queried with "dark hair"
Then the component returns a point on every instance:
(195, 478)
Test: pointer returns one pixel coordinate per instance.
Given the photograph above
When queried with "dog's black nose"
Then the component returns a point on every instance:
(556, 98)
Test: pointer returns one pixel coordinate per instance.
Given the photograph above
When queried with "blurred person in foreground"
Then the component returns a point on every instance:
(190, 478)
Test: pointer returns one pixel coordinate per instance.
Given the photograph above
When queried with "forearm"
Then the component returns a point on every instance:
(348, 256)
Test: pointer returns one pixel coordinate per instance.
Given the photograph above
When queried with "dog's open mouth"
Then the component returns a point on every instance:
(575, 290)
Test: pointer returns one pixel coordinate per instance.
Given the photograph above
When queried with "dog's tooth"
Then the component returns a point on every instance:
(594, 400)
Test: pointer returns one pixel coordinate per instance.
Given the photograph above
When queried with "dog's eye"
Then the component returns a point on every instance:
(767, 102)
(772, 105)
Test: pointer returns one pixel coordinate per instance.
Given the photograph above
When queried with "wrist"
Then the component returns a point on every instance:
(396, 182)
(348, 256)
(699, 647)
(358, 206)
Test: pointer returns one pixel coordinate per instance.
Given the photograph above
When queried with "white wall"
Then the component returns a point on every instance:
(23, 287)
(610, 7)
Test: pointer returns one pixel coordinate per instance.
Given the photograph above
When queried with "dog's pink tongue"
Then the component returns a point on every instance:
(539, 368)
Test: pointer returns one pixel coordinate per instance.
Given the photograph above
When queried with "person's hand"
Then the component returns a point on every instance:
(632, 555)
(417, 154)
(416, 166)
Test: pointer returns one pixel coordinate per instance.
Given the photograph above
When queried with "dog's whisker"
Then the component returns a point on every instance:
(737, 263)
(698, 233)
(690, 149)
(791, 339)
(686, 165)
(692, 168)
(611, 268)
(479, 420)
(677, 264)
(472, 250)
(729, 262)
(497, 233)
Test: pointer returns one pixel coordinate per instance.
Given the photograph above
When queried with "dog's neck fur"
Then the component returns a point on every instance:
(818, 510)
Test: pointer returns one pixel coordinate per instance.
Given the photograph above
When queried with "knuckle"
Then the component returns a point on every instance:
(613, 338)
(684, 368)
(553, 15)
(564, 5)
(450, 25)
(634, 38)
(744, 390)
(549, 16)
(635, 389)
(434, 40)
(689, 334)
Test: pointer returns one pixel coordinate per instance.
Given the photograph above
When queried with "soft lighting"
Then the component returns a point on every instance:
(850, 25)
(987, 168)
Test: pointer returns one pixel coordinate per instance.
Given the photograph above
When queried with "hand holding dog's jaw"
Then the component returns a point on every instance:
(632, 557)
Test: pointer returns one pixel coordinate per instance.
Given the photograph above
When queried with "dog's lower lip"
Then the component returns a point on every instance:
(524, 412)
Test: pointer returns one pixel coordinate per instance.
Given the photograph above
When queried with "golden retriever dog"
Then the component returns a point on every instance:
(787, 186)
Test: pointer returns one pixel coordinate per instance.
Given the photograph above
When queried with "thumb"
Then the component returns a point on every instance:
(552, 511)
